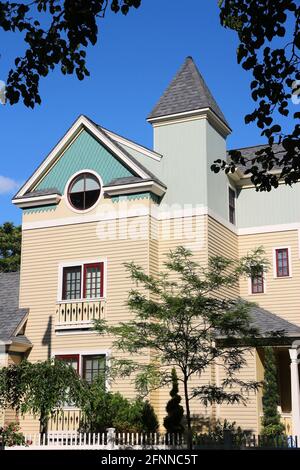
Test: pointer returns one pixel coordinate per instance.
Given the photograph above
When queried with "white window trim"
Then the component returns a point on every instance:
(70, 264)
(81, 353)
(235, 205)
(289, 260)
(250, 286)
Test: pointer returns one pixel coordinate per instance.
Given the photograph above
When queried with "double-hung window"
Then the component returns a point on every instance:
(70, 360)
(282, 262)
(257, 284)
(90, 367)
(85, 281)
(93, 367)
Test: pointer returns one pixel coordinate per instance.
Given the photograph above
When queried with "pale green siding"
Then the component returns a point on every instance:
(49, 207)
(279, 206)
(84, 153)
(217, 184)
(148, 162)
(183, 166)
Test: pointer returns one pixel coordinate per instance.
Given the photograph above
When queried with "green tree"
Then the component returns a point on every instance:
(10, 247)
(173, 421)
(271, 418)
(40, 388)
(190, 324)
(56, 33)
(269, 47)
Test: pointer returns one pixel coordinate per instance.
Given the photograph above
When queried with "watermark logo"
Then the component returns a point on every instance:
(296, 92)
(2, 92)
(178, 224)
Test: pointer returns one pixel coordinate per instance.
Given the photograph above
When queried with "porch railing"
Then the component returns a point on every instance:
(67, 420)
(79, 314)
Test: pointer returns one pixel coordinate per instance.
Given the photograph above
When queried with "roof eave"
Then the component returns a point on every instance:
(36, 201)
(134, 188)
(207, 113)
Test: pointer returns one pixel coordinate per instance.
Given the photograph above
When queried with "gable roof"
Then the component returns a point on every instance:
(186, 92)
(11, 316)
(111, 144)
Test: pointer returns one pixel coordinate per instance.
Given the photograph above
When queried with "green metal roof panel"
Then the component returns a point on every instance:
(84, 153)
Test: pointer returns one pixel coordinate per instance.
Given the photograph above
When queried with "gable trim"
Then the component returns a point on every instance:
(134, 146)
(81, 122)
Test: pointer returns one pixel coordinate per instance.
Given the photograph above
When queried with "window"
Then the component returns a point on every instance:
(231, 206)
(93, 367)
(84, 191)
(70, 359)
(257, 284)
(92, 286)
(93, 276)
(282, 262)
(72, 283)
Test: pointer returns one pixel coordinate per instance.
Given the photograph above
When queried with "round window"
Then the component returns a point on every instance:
(84, 191)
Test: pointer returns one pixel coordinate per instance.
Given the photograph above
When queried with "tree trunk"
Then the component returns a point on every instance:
(188, 415)
(43, 423)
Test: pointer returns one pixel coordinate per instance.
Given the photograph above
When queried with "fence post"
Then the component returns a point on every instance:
(227, 439)
(111, 438)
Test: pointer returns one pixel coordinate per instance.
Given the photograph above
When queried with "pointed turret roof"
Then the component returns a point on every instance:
(186, 92)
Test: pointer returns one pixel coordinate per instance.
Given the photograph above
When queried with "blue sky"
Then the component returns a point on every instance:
(131, 65)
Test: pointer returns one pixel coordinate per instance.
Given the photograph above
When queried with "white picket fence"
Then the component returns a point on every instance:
(109, 440)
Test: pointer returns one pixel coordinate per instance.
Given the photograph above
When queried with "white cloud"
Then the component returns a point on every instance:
(8, 185)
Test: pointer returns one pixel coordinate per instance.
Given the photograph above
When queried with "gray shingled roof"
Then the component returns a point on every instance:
(41, 192)
(10, 313)
(249, 153)
(128, 180)
(267, 322)
(186, 92)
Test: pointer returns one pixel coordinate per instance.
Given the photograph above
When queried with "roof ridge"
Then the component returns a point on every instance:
(187, 91)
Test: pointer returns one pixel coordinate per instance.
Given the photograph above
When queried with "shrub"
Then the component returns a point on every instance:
(103, 409)
(173, 421)
(271, 418)
(11, 435)
(216, 434)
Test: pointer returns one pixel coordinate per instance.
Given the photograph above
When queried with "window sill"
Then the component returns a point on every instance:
(76, 301)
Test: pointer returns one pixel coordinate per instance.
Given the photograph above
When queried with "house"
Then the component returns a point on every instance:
(13, 343)
(99, 199)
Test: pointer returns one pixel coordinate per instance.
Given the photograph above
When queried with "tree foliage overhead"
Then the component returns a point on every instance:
(10, 247)
(269, 37)
(181, 316)
(56, 33)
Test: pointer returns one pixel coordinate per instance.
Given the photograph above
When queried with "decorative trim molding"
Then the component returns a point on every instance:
(148, 186)
(134, 146)
(36, 201)
(205, 113)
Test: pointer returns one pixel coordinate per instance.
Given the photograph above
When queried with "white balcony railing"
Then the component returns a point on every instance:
(78, 314)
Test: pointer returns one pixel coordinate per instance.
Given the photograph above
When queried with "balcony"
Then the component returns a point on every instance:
(78, 314)
(65, 420)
